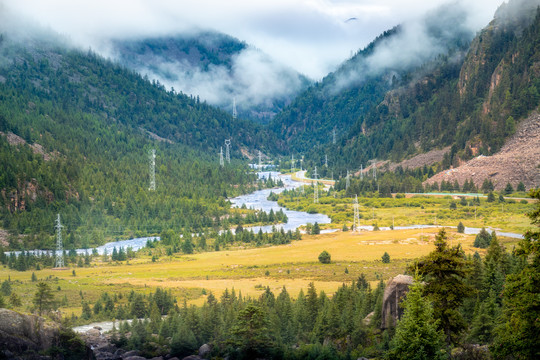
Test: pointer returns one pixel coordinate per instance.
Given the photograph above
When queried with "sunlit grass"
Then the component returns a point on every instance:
(248, 271)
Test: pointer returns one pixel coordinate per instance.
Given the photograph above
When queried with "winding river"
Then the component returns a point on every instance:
(258, 201)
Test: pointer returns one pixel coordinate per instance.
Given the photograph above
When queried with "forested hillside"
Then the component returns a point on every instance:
(76, 131)
(345, 97)
(217, 67)
(470, 98)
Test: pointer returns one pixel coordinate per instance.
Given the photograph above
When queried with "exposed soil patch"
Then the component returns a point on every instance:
(518, 160)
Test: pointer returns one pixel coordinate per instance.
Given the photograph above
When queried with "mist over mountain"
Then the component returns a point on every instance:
(216, 68)
(362, 81)
(423, 86)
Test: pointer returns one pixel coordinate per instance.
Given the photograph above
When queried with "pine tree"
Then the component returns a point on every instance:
(43, 298)
(444, 271)
(483, 324)
(251, 332)
(417, 336)
(519, 335)
(461, 228)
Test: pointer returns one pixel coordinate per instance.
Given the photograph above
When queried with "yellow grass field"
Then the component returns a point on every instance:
(246, 270)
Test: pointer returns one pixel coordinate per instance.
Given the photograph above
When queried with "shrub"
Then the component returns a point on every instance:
(461, 228)
(483, 239)
(385, 258)
(324, 257)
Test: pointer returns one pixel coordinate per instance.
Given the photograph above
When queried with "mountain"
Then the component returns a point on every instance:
(75, 132)
(398, 56)
(468, 97)
(215, 67)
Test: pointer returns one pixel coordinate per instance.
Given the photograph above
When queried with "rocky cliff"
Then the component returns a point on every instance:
(33, 337)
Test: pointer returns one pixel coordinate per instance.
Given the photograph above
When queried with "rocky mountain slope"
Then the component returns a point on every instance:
(468, 98)
(517, 161)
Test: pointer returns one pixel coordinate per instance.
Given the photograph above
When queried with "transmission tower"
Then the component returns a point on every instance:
(292, 163)
(356, 220)
(374, 171)
(361, 172)
(227, 150)
(59, 247)
(348, 180)
(152, 155)
(221, 162)
(260, 159)
(334, 136)
(302, 163)
(315, 187)
(326, 160)
(234, 113)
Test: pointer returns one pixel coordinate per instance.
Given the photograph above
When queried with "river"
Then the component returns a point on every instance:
(258, 201)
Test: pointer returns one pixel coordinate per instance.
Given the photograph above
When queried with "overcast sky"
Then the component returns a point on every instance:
(312, 36)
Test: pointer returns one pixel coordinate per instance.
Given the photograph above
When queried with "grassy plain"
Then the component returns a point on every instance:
(247, 270)
(509, 216)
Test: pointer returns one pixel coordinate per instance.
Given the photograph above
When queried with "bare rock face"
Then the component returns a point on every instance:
(20, 334)
(394, 293)
(205, 351)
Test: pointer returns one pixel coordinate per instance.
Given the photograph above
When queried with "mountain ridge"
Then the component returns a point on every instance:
(216, 67)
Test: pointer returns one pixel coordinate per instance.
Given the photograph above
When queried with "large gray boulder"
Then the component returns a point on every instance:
(21, 333)
(394, 293)
(205, 351)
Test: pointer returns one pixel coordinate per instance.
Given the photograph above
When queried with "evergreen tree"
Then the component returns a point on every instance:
(6, 287)
(386, 258)
(250, 333)
(325, 257)
(483, 239)
(183, 342)
(483, 324)
(461, 228)
(316, 229)
(444, 271)
(43, 298)
(519, 335)
(417, 335)
(86, 311)
(15, 300)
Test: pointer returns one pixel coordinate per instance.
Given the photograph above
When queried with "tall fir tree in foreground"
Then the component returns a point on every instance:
(444, 271)
(417, 335)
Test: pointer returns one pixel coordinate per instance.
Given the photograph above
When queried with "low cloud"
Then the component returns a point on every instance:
(311, 36)
(253, 79)
(414, 43)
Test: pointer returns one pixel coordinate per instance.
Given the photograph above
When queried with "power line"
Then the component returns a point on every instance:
(152, 169)
(221, 162)
(356, 219)
(59, 263)
(227, 150)
(315, 187)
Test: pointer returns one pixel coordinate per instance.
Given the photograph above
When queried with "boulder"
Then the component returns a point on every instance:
(394, 293)
(21, 333)
(205, 351)
(131, 353)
